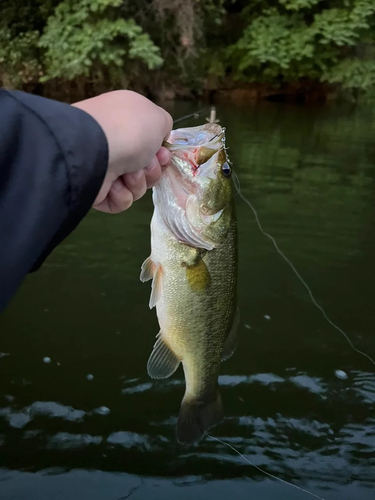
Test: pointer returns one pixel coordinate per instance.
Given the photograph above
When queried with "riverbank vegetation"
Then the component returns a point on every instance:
(189, 48)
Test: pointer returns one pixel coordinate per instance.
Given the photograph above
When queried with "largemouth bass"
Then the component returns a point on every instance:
(193, 265)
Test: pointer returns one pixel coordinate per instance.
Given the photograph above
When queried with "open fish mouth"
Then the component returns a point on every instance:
(191, 193)
(194, 137)
(196, 145)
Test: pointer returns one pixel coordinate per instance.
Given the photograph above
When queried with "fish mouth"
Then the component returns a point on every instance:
(194, 137)
(195, 153)
(194, 147)
(196, 156)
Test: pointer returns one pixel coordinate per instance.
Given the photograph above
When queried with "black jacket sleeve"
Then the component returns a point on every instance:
(53, 158)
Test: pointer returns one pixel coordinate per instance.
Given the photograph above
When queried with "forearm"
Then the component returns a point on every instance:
(53, 159)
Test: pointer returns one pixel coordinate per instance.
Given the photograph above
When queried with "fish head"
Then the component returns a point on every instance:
(198, 194)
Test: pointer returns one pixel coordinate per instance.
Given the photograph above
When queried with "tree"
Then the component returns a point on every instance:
(184, 44)
(328, 41)
(67, 40)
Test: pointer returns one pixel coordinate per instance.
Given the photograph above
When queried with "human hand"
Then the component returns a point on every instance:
(135, 129)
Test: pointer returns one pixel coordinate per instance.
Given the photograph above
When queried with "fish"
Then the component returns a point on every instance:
(193, 267)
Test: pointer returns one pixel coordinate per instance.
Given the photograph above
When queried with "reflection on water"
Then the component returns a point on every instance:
(90, 424)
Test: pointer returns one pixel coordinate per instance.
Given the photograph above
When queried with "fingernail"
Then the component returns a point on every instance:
(117, 185)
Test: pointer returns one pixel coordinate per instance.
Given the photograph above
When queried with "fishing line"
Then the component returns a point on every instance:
(264, 471)
(280, 252)
(291, 265)
(195, 115)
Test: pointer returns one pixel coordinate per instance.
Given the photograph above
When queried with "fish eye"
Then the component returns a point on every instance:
(226, 169)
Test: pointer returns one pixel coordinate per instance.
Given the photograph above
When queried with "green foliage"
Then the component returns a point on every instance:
(275, 39)
(19, 35)
(48, 39)
(341, 26)
(17, 61)
(352, 74)
(298, 4)
(305, 38)
(187, 45)
(79, 37)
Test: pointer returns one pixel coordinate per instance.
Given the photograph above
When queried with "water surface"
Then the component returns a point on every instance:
(81, 420)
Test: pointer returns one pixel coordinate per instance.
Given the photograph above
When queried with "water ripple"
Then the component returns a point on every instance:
(364, 384)
(128, 439)
(312, 384)
(19, 419)
(137, 388)
(66, 440)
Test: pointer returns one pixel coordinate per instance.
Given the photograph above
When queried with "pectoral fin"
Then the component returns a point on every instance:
(162, 362)
(230, 343)
(156, 286)
(198, 276)
(147, 270)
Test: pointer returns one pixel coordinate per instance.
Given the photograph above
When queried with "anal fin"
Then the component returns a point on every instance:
(162, 362)
(230, 343)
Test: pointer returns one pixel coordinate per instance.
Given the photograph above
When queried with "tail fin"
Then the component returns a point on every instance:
(198, 416)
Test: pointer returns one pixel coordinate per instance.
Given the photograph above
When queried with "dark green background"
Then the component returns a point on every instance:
(310, 173)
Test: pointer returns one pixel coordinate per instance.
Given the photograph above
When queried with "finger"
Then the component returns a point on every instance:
(136, 183)
(119, 198)
(167, 125)
(153, 173)
(164, 157)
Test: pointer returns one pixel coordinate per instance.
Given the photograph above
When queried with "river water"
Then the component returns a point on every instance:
(81, 420)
